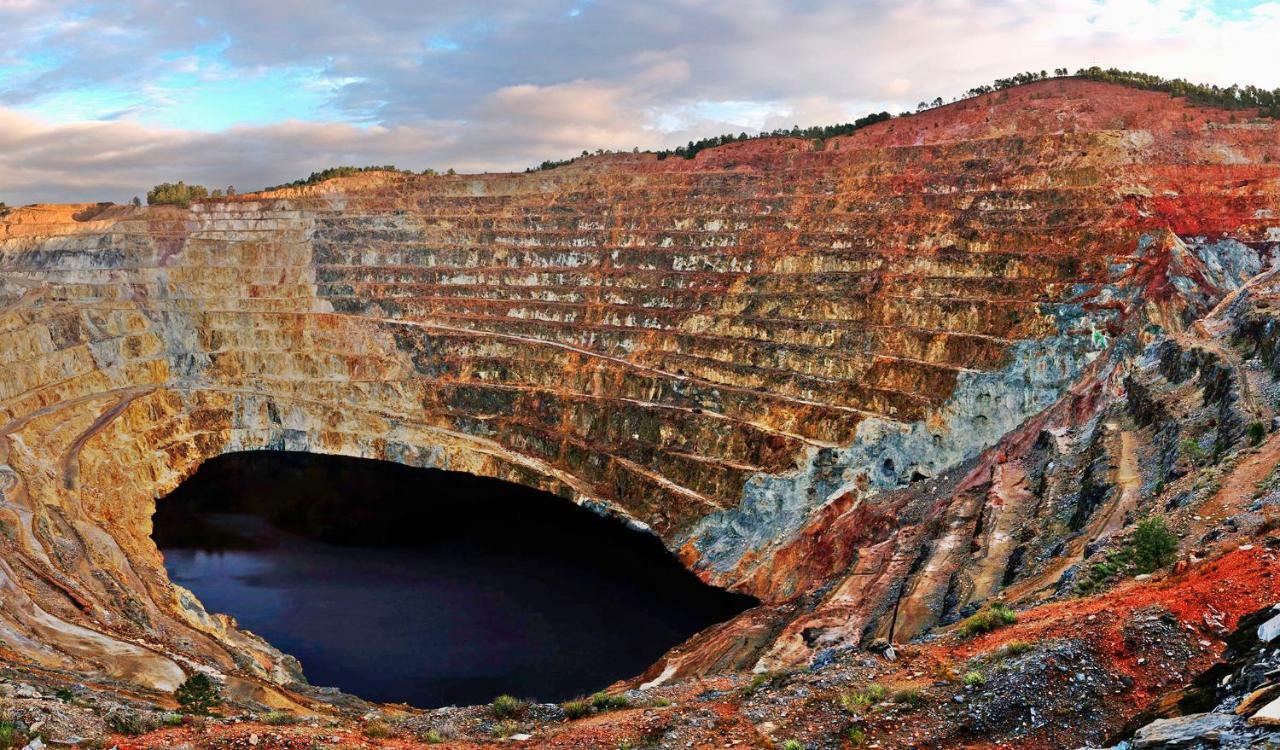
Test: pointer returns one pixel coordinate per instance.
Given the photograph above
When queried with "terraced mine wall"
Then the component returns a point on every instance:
(786, 359)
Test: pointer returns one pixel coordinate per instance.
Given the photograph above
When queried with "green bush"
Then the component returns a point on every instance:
(280, 719)
(10, 735)
(974, 679)
(504, 728)
(994, 617)
(1153, 545)
(431, 737)
(576, 709)
(1150, 547)
(506, 706)
(760, 679)
(1192, 451)
(909, 697)
(198, 694)
(606, 702)
(1102, 572)
(792, 745)
(378, 730)
(1013, 648)
(1255, 432)
(857, 736)
(176, 194)
(859, 700)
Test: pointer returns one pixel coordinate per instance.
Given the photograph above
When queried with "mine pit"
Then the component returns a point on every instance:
(426, 586)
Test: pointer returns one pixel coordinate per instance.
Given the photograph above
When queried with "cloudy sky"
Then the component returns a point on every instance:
(100, 100)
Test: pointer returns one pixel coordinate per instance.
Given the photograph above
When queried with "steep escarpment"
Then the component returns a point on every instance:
(875, 383)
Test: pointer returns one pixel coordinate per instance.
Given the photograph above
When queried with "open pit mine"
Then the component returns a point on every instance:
(926, 391)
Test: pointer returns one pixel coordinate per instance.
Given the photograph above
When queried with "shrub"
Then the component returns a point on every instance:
(198, 694)
(792, 745)
(431, 737)
(378, 730)
(1150, 547)
(10, 735)
(1153, 545)
(864, 698)
(1102, 572)
(606, 702)
(131, 723)
(1014, 648)
(857, 736)
(280, 719)
(176, 194)
(760, 679)
(1255, 432)
(504, 728)
(994, 617)
(974, 679)
(576, 709)
(909, 697)
(1191, 450)
(506, 706)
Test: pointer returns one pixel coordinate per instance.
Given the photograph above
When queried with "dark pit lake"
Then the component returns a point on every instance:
(424, 586)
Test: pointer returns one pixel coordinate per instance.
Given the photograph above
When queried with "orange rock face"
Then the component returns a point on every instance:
(818, 373)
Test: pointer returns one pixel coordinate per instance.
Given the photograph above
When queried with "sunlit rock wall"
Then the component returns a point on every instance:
(727, 350)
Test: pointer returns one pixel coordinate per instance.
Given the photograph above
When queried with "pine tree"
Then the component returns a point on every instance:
(198, 694)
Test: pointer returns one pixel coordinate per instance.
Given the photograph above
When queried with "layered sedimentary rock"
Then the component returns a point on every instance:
(791, 361)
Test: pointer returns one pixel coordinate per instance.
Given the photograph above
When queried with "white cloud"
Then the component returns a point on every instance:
(523, 80)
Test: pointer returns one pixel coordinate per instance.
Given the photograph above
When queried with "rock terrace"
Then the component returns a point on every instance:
(817, 372)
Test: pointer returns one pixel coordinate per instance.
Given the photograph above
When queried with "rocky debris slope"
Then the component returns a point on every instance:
(1243, 692)
(878, 382)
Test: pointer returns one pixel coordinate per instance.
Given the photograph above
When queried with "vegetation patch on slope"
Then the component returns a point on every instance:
(315, 178)
(1267, 102)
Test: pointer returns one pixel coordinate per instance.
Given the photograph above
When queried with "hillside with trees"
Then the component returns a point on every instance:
(1266, 101)
(330, 173)
(181, 194)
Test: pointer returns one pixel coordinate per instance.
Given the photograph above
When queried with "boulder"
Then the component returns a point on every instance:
(1269, 630)
(1260, 697)
(1268, 715)
(1185, 730)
